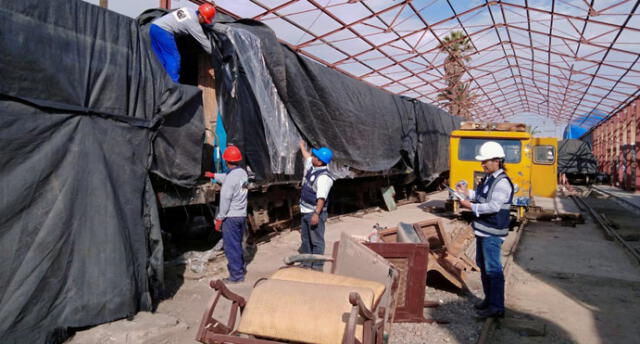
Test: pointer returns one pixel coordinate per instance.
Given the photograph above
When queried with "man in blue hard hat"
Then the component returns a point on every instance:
(316, 184)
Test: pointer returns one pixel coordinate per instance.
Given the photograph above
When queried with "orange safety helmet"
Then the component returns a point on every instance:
(208, 11)
(232, 154)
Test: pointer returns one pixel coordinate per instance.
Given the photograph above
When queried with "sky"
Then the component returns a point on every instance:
(434, 11)
(543, 126)
(133, 8)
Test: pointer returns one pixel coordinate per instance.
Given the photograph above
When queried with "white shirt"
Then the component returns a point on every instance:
(323, 184)
(184, 21)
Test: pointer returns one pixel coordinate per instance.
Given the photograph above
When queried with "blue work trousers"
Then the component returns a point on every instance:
(488, 253)
(164, 45)
(312, 238)
(232, 232)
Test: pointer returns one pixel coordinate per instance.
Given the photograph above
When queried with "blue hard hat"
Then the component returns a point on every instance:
(323, 154)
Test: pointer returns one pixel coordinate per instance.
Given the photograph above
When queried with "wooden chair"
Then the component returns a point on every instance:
(301, 305)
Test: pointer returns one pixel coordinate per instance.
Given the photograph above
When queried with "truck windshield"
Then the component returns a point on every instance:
(469, 148)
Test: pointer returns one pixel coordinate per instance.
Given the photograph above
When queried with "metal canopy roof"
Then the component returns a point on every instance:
(557, 58)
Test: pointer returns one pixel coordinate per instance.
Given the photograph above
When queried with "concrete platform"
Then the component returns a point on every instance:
(560, 205)
(179, 315)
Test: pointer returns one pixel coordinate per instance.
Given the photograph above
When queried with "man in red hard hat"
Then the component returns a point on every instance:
(180, 22)
(232, 212)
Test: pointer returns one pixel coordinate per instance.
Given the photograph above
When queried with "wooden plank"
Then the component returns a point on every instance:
(206, 82)
(388, 194)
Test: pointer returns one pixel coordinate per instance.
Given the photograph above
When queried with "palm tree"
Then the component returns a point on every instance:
(457, 96)
(458, 99)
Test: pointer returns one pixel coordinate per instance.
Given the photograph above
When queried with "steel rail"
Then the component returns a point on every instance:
(611, 194)
(489, 323)
(611, 232)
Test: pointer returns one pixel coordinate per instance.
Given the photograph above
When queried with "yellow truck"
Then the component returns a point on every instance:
(531, 162)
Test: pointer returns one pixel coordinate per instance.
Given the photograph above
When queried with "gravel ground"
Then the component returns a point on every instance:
(455, 307)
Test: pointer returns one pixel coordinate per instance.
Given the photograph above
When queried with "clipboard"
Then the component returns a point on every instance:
(455, 193)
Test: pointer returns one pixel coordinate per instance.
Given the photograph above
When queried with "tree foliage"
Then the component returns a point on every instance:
(457, 96)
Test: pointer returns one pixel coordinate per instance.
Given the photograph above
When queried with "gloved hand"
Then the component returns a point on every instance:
(218, 225)
(210, 174)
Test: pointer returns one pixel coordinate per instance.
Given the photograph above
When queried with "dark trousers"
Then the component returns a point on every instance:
(312, 237)
(164, 45)
(232, 231)
(488, 253)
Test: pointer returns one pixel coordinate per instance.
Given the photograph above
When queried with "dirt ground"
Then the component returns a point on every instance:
(568, 282)
(176, 319)
(574, 285)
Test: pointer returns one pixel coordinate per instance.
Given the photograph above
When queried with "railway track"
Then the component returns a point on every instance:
(605, 221)
(620, 200)
(195, 260)
(490, 323)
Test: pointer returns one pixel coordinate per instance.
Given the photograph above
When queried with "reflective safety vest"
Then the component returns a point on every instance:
(309, 188)
(496, 224)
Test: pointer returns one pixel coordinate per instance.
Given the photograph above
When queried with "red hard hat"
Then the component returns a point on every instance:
(208, 11)
(232, 154)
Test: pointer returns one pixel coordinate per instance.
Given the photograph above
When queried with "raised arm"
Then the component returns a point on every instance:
(303, 148)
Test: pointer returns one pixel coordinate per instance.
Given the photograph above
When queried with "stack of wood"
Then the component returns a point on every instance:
(505, 126)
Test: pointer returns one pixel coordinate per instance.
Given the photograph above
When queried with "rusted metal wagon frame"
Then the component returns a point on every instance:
(446, 255)
(410, 260)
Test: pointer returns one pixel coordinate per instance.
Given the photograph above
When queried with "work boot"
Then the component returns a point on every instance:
(484, 304)
(489, 313)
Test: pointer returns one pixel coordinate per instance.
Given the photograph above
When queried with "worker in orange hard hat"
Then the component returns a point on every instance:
(180, 22)
(232, 211)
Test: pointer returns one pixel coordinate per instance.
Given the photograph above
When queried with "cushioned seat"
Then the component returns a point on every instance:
(313, 276)
(301, 312)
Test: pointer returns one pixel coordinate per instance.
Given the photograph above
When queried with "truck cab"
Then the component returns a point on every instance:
(531, 163)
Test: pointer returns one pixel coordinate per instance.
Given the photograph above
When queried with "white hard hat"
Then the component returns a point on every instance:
(490, 150)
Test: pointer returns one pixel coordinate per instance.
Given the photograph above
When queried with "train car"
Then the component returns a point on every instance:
(577, 161)
(530, 162)
(245, 119)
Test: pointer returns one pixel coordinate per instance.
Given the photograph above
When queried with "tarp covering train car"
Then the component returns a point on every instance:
(575, 157)
(86, 112)
(368, 129)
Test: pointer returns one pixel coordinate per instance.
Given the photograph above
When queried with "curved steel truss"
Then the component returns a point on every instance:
(560, 58)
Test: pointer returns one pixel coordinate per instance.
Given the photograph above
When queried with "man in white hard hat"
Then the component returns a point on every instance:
(490, 203)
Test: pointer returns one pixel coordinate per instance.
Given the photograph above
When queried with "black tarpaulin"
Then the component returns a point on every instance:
(434, 127)
(575, 157)
(367, 128)
(86, 111)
